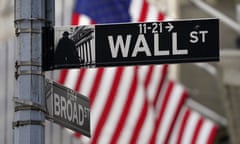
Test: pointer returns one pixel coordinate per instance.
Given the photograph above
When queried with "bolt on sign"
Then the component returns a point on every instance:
(135, 44)
(68, 108)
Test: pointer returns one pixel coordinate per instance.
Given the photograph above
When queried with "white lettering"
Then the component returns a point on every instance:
(176, 51)
(56, 104)
(75, 116)
(203, 35)
(141, 46)
(157, 52)
(87, 112)
(119, 45)
(194, 37)
(63, 107)
(69, 110)
(198, 36)
(81, 115)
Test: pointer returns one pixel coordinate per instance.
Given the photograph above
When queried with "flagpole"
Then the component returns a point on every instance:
(29, 118)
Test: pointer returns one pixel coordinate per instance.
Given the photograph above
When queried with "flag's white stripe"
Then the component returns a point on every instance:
(100, 99)
(169, 113)
(135, 9)
(142, 71)
(148, 126)
(155, 81)
(133, 115)
(71, 78)
(205, 132)
(152, 14)
(87, 82)
(176, 129)
(190, 127)
(117, 106)
(84, 20)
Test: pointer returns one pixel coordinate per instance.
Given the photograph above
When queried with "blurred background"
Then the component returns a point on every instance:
(214, 87)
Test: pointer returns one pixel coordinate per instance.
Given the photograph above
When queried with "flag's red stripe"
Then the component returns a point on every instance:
(77, 135)
(162, 79)
(96, 85)
(75, 18)
(79, 79)
(62, 76)
(92, 22)
(140, 121)
(162, 111)
(212, 135)
(197, 130)
(108, 105)
(179, 107)
(161, 16)
(183, 125)
(144, 11)
(127, 107)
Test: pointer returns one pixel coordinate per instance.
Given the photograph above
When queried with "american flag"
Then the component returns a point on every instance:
(137, 104)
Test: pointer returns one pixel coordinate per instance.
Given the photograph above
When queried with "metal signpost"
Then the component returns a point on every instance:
(29, 118)
(68, 108)
(135, 44)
